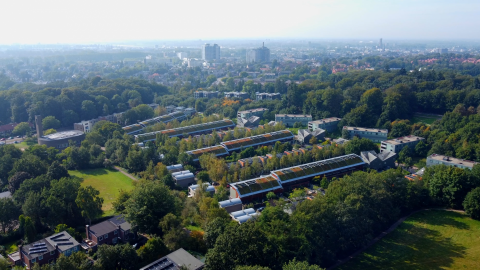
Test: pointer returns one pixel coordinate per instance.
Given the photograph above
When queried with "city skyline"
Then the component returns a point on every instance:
(54, 21)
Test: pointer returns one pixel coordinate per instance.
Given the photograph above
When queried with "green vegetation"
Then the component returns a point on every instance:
(424, 119)
(108, 182)
(426, 240)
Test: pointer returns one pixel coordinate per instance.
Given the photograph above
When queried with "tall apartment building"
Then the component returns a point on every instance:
(290, 119)
(435, 159)
(253, 112)
(258, 55)
(374, 134)
(328, 124)
(210, 52)
(396, 145)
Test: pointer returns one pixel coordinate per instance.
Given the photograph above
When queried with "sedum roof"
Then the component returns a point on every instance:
(258, 185)
(257, 140)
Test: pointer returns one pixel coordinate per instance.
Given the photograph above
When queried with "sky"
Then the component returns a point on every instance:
(99, 21)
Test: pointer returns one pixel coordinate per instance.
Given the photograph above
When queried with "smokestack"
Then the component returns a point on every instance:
(263, 44)
(38, 123)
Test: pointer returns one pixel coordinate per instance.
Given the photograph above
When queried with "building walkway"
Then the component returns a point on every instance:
(125, 173)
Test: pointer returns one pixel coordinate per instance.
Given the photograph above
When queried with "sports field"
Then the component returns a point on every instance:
(108, 182)
(427, 240)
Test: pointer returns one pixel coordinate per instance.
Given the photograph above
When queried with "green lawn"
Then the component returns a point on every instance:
(426, 240)
(10, 247)
(23, 145)
(424, 118)
(108, 182)
(194, 228)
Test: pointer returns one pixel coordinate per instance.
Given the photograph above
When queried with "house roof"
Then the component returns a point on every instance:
(37, 248)
(174, 261)
(62, 240)
(103, 228)
(231, 202)
(5, 194)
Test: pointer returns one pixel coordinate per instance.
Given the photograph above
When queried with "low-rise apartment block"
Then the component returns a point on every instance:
(435, 159)
(241, 95)
(87, 125)
(396, 145)
(328, 124)
(290, 119)
(268, 96)
(205, 94)
(375, 134)
(253, 112)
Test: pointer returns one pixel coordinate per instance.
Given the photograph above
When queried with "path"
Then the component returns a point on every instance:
(125, 173)
(380, 236)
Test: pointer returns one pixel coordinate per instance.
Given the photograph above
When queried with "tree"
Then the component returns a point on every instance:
(203, 176)
(356, 145)
(119, 203)
(50, 122)
(89, 110)
(313, 140)
(22, 128)
(117, 257)
(448, 185)
(471, 204)
(4, 264)
(89, 202)
(63, 227)
(296, 265)
(213, 230)
(255, 267)
(9, 213)
(374, 100)
(154, 249)
(148, 203)
(57, 171)
(271, 196)
(405, 156)
(28, 228)
(49, 131)
(16, 180)
(421, 149)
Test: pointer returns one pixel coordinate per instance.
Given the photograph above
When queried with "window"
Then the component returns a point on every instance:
(100, 238)
(40, 257)
(34, 260)
(115, 232)
(75, 249)
(52, 252)
(106, 236)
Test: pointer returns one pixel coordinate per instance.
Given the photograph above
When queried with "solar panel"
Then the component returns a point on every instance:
(57, 236)
(39, 244)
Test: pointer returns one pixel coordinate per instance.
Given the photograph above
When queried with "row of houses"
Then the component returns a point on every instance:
(139, 127)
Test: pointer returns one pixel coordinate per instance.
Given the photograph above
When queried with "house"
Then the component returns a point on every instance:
(396, 145)
(252, 121)
(231, 205)
(175, 261)
(170, 108)
(183, 178)
(268, 96)
(380, 161)
(328, 124)
(6, 130)
(110, 231)
(304, 135)
(290, 119)
(253, 112)
(206, 94)
(435, 159)
(48, 249)
(375, 134)
(241, 95)
(340, 141)
(193, 188)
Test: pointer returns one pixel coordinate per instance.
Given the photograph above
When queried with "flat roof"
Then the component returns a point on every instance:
(253, 110)
(366, 129)
(63, 135)
(230, 202)
(294, 115)
(452, 160)
(326, 120)
(405, 139)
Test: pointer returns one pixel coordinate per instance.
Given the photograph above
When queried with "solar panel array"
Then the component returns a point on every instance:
(37, 248)
(152, 121)
(162, 264)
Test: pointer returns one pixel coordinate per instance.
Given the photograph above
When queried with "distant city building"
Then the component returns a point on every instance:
(328, 124)
(194, 62)
(442, 51)
(253, 112)
(290, 119)
(396, 145)
(258, 55)
(374, 134)
(435, 159)
(206, 94)
(210, 52)
(182, 55)
(268, 96)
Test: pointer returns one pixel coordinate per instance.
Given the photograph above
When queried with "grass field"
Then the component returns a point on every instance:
(426, 240)
(424, 118)
(108, 182)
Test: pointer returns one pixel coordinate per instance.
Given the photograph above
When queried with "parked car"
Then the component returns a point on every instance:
(10, 138)
(15, 142)
(3, 139)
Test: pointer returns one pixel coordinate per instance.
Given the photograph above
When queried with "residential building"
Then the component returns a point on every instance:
(175, 168)
(375, 134)
(385, 160)
(210, 52)
(340, 141)
(206, 94)
(194, 62)
(48, 249)
(231, 205)
(6, 130)
(243, 216)
(241, 95)
(86, 126)
(183, 178)
(435, 159)
(258, 55)
(328, 124)
(250, 122)
(305, 135)
(208, 188)
(175, 261)
(396, 145)
(268, 96)
(253, 112)
(170, 108)
(110, 231)
(182, 55)
(417, 175)
(290, 119)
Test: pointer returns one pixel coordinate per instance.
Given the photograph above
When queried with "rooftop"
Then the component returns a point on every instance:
(254, 110)
(217, 150)
(5, 194)
(402, 140)
(366, 129)
(293, 115)
(255, 140)
(63, 135)
(326, 120)
(452, 160)
(62, 240)
(257, 185)
(174, 261)
(231, 202)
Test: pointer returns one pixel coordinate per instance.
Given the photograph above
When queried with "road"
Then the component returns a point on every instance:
(11, 141)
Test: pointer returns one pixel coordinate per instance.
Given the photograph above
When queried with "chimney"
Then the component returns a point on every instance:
(86, 231)
(263, 44)
(38, 123)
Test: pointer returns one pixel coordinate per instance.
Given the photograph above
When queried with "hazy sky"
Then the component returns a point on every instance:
(86, 21)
